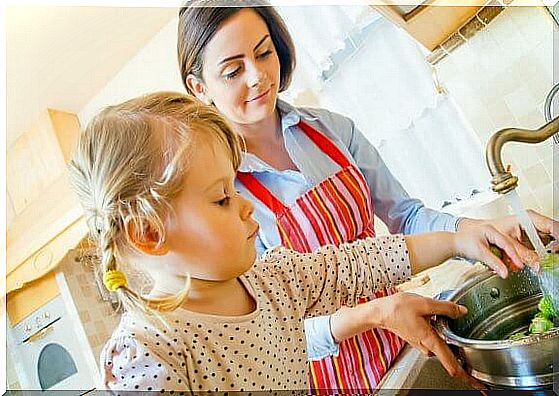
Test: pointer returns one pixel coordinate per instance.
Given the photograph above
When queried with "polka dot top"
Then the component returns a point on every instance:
(264, 350)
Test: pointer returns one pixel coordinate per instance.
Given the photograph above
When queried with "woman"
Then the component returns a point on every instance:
(313, 177)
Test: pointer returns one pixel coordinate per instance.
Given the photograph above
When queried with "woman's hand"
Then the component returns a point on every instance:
(409, 316)
(510, 225)
(474, 242)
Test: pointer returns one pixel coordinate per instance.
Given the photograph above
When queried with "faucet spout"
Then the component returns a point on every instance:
(503, 181)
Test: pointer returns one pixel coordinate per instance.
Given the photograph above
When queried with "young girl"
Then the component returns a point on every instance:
(156, 176)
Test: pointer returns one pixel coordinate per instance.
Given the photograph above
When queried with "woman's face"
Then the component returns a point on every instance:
(241, 72)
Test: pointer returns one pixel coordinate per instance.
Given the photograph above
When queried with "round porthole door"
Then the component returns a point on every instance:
(55, 365)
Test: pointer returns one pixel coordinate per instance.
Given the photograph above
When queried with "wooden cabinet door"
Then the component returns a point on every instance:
(38, 157)
(430, 22)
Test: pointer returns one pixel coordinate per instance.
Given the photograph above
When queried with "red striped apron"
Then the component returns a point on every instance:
(338, 209)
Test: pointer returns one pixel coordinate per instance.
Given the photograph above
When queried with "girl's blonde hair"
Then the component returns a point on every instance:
(129, 163)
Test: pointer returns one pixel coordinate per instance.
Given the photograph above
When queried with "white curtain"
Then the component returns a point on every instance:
(386, 86)
(319, 31)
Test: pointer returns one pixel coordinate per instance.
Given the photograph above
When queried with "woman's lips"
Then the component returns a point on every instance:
(262, 95)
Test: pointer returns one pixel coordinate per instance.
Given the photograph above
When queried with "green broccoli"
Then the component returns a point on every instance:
(540, 325)
(546, 307)
(518, 335)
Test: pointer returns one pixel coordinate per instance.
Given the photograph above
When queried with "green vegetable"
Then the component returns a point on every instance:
(496, 251)
(540, 325)
(546, 307)
(549, 262)
(540, 315)
(518, 335)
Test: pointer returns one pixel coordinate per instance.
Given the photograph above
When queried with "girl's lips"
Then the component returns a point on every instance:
(259, 96)
(254, 232)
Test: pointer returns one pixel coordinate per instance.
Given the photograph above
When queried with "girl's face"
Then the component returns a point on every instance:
(241, 70)
(211, 229)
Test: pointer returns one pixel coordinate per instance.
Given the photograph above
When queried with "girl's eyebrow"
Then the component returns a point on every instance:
(213, 184)
(240, 56)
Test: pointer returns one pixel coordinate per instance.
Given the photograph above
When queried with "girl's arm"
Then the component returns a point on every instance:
(408, 315)
(427, 250)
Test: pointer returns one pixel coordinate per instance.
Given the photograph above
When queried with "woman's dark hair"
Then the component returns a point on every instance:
(200, 20)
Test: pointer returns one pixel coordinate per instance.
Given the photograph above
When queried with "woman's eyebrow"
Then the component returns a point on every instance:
(230, 58)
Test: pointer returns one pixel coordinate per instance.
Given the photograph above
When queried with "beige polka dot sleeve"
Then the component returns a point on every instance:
(335, 276)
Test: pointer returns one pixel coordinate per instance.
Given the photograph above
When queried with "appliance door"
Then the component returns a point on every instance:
(53, 360)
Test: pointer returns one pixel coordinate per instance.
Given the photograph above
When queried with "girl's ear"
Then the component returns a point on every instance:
(145, 241)
(198, 87)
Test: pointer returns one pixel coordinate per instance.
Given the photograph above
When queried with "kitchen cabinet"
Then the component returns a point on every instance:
(430, 22)
(22, 302)
(443, 25)
(39, 156)
(47, 218)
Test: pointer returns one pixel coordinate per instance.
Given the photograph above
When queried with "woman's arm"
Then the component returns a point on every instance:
(393, 205)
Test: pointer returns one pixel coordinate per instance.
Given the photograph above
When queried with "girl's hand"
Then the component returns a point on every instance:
(473, 242)
(409, 316)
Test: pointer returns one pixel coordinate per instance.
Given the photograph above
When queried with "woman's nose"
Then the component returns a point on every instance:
(255, 76)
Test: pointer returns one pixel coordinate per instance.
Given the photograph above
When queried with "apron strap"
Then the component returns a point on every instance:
(262, 193)
(324, 144)
(265, 196)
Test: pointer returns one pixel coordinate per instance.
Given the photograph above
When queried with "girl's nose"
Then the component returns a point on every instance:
(246, 208)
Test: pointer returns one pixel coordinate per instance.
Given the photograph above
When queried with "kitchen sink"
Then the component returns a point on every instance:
(433, 376)
(415, 374)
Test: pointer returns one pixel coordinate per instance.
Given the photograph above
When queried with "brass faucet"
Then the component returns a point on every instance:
(503, 181)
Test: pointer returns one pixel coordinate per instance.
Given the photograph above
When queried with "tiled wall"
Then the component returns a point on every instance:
(500, 79)
(97, 317)
(12, 380)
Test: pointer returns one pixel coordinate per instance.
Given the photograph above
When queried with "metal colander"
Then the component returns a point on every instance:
(497, 308)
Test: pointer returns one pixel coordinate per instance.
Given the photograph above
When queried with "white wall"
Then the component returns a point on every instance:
(153, 68)
(500, 79)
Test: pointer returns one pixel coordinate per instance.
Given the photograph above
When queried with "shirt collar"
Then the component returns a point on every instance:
(290, 116)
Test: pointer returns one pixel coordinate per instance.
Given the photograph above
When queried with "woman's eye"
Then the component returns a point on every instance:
(232, 74)
(264, 55)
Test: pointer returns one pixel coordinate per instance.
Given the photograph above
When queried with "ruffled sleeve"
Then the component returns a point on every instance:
(131, 362)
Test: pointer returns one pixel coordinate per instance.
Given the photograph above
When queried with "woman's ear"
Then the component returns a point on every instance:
(198, 87)
(146, 240)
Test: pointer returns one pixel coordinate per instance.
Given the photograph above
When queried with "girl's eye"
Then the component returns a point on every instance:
(264, 55)
(232, 74)
(224, 201)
